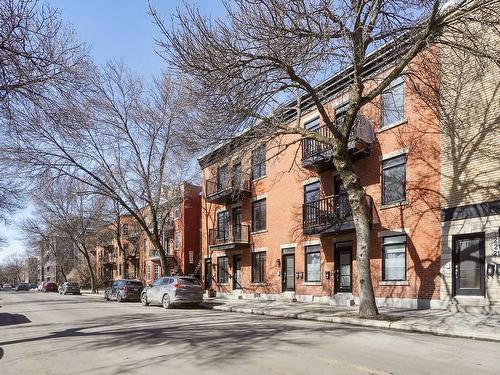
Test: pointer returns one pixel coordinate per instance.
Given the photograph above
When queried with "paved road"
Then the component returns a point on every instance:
(52, 334)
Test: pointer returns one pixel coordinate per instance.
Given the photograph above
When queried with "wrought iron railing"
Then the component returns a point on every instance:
(362, 130)
(330, 210)
(236, 181)
(235, 233)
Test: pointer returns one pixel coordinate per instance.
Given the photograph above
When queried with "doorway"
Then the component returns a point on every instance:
(208, 273)
(237, 272)
(343, 267)
(468, 265)
(288, 271)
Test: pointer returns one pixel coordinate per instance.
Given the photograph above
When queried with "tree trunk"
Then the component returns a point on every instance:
(63, 274)
(93, 284)
(361, 217)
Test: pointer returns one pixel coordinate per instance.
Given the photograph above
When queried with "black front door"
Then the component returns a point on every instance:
(288, 272)
(237, 272)
(208, 273)
(468, 265)
(343, 267)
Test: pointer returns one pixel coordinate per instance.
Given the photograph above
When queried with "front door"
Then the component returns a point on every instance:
(468, 265)
(208, 274)
(237, 272)
(288, 272)
(343, 267)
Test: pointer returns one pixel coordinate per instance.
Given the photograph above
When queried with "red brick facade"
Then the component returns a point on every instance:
(417, 215)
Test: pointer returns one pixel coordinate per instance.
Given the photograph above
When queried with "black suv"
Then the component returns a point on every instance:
(123, 290)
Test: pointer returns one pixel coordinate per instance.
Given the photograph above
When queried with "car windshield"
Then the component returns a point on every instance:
(189, 281)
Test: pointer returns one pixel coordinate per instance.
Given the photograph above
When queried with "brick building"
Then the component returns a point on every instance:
(181, 239)
(276, 224)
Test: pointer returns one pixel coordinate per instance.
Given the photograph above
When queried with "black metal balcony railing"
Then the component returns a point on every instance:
(329, 215)
(233, 234)
(228, 186)
(360, 139)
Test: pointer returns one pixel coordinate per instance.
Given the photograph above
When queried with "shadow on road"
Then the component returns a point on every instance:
(206, 337)
(7, 319)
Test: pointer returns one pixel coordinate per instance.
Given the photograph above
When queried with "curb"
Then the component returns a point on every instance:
(413, 327)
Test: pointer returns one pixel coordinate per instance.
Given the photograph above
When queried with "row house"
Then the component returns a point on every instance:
(136, 256)
(276, 223)
(470, 180)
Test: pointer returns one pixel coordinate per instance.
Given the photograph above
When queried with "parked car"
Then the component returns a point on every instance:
(69, 287)
(40, 286)
(32, 285)
(7, 286)
(22, 286)
(49, 286)
(173, 290)
(123, 290)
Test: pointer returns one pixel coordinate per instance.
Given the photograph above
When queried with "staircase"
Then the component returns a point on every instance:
(342, 299)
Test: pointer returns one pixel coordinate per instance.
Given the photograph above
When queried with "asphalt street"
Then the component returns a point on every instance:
(53, 334)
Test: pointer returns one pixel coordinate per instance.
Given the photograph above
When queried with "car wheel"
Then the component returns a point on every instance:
(144, 300)
(64, 293)
(119, 297)
(106, 297)
(166, 302)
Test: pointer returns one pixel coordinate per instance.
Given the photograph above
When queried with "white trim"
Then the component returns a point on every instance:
(312, 283)
(221, 209)
(396, 204)
(393, 125)
(259, 197)
(288, 246)
(393, 232)
(259, 231)
(393, 154)
(309, 116)
(311, 180)
(394, 283)
(311, 242)
(259, 249)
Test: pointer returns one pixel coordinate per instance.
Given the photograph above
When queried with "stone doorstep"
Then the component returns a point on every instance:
(415, 325)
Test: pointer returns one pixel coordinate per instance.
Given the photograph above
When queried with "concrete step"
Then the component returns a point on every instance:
(342, 299)
(287, 297)
(474, 307)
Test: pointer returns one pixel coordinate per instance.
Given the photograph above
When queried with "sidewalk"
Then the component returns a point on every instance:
(436, 322)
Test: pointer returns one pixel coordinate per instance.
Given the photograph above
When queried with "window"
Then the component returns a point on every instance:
(176, 240)
(119, 269)
(394, 258)
(312, 124)
(394, 180)
(222, 225)
(176, 211)
(125, 229)
(259, 267)
(156, 271)
(148, 271)
(311, 192)
(222, 270)
(392, 103)
(259, 215)
(145, 246)
(259, 162)
(223, 177)
(313, 263)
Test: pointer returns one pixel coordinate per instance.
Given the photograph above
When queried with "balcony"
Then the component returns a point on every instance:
(233, 237)
(228, 189)
(154, 255)
(317, 156)
(328, 216)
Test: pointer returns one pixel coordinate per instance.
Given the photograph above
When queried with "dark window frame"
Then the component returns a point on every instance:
(309, 250)
(260, 276)
(259, 161)
(405, 242)
(385, 168)
(222, 277)
(254, 222)
(396, 83)
(318, 189)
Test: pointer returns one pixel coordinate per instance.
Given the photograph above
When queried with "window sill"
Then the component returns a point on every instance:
(258, 284)
(223, 284)
(394, 283)
(259, 178)
(392, 126)
(259, 231)
(392, 205)
(312, 283)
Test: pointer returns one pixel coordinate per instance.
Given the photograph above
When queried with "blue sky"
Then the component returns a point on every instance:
(113, 29)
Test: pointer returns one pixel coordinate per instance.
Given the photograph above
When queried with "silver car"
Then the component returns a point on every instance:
(173, 290)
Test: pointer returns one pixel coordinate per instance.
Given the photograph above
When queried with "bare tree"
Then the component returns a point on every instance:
(39, 57)
(119, 139)
(268, 52)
